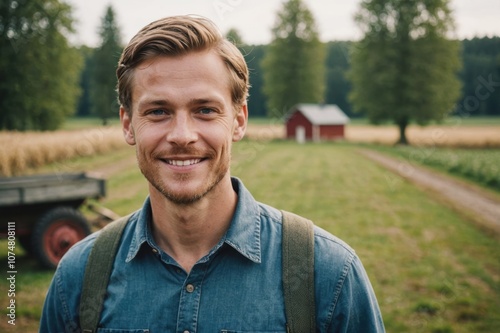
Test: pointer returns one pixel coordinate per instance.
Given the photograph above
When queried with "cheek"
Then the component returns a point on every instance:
(148, 135)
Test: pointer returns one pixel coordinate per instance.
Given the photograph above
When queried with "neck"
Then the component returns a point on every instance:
(189, 232)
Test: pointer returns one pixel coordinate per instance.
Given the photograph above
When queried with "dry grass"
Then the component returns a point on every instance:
(430, 136)
(462, 136)
(265, 131)
(20, 151)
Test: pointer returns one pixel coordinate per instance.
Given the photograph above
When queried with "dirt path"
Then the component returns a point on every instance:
(474, 202)
(113, 167)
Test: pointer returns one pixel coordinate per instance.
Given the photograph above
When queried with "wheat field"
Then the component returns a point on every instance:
(20, 151)
(462, 136)
(430, 136)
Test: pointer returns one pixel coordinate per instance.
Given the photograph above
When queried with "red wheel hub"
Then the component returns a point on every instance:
(59, 237)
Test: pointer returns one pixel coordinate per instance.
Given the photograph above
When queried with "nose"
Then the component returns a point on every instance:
(182, 130)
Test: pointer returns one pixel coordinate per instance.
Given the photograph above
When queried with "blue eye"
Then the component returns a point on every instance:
(158, 112)
(206, 111)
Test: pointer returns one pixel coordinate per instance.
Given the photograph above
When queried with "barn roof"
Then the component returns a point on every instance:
(321, 114)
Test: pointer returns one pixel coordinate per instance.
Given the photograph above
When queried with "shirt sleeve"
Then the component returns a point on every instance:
(56, 317)
(356, 309)
(62, 303)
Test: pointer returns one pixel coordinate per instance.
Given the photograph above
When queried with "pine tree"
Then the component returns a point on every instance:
(38, 68)
(293, 66)
(404, 68)
(103, 93)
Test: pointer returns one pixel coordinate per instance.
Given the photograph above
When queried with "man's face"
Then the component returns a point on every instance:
(183, 124)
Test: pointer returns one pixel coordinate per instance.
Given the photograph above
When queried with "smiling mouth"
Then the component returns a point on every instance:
(183, 162)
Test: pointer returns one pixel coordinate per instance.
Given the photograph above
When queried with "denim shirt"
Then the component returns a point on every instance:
(236, 287)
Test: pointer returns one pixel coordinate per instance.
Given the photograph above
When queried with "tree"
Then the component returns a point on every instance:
(337, 65)
(84, 102)
(404, 68)
(294, 62)
(257, 100)
(38, 68)
(234, 37)
(106, 56)
(481, 77)
(253, 56)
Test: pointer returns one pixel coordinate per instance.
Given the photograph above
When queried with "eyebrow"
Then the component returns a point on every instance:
(198, 101)
(166, 103)
(156, 102)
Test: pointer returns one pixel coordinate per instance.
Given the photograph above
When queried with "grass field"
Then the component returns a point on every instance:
(431, 269)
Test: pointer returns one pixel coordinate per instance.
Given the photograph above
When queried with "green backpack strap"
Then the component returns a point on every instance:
(298, 273)
(97, 273)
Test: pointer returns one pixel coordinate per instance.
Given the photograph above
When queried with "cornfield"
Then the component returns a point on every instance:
(20, 151)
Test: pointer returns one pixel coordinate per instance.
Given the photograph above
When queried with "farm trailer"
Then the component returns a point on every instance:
(44, 209)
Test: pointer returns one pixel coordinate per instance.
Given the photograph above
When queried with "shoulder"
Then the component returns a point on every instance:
(75, 260)
(77, 256)
(329, 245)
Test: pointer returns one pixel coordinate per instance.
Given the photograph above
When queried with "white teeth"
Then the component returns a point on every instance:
(183, 163)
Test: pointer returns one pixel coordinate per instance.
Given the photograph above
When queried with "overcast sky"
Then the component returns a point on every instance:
(254, 19)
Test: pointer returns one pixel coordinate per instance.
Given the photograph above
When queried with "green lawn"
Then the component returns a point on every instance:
(431, 269)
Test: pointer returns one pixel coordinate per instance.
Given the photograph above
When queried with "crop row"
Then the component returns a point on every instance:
(479, 165)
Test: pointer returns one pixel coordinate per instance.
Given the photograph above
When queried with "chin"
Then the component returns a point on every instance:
(187, 193)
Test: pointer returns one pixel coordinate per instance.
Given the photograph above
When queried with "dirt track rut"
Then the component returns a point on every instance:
(477, 204)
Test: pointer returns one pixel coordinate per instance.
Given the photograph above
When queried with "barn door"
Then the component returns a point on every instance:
(300, 134)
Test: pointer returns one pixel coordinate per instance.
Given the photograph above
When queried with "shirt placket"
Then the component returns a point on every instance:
(189, 302)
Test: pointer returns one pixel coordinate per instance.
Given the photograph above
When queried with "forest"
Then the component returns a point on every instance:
(481, 68)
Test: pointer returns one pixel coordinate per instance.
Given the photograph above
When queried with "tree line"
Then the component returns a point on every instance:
(480, 56)
(481, 59)
(399, 71)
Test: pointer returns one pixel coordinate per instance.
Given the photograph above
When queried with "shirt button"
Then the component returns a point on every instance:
(155, 251)
(185, 331)
(189, 289)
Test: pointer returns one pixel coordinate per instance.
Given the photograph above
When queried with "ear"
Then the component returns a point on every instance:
(128, 130)
(240, 123)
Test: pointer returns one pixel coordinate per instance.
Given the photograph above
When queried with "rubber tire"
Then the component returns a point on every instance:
(26, 243)
(55, 232)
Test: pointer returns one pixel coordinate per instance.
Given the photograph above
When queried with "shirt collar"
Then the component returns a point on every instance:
(141, 231)
(243, 234)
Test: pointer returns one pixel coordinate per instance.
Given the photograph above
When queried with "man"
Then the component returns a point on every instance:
(201, 255)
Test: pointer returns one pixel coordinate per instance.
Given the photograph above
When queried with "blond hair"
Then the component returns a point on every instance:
(176, 36)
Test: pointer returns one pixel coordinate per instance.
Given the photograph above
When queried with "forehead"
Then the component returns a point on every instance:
(194, 75)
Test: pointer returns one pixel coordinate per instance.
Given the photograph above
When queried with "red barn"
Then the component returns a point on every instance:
(315, 122)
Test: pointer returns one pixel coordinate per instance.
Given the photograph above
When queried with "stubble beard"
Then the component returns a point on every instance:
(153, 176)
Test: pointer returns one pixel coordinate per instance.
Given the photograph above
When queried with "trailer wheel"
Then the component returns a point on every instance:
(26, 243)
(55, 232)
